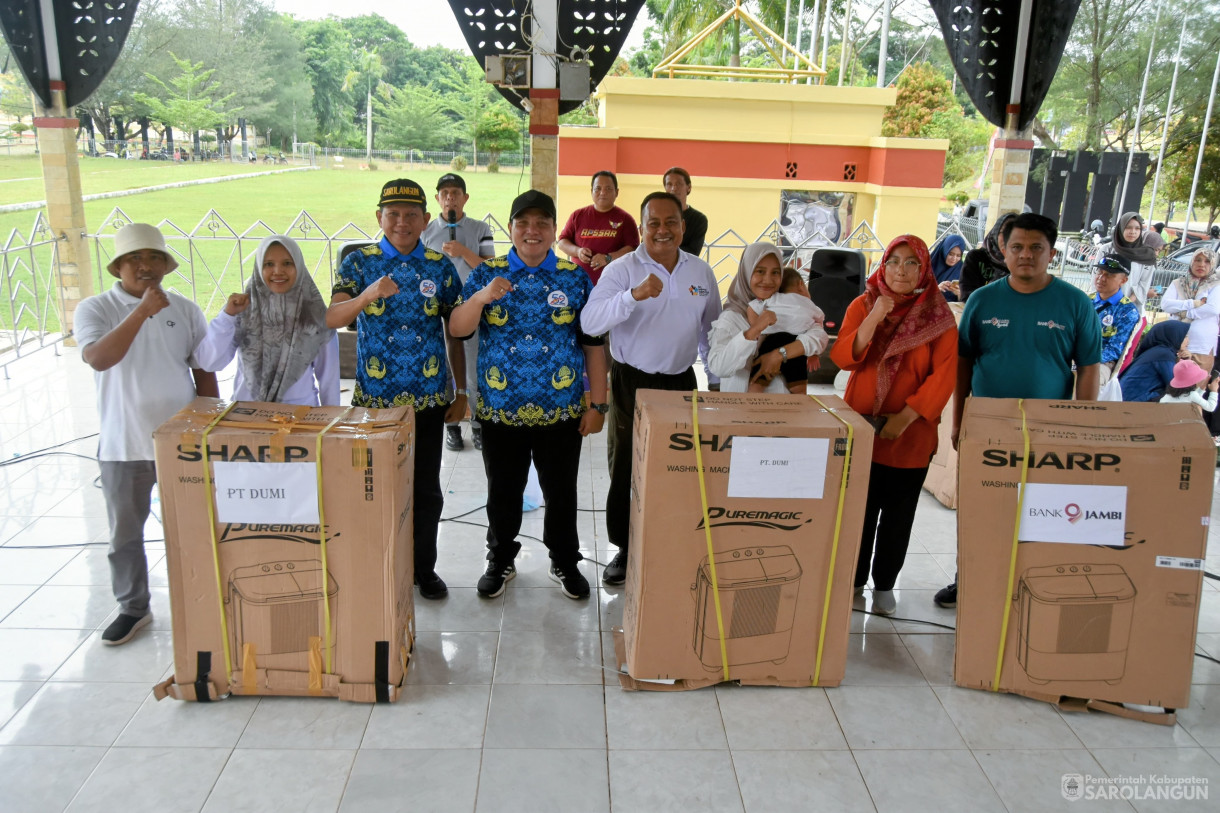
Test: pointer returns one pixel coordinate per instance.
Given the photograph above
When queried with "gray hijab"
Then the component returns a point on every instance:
(279, 335)
(740, 295)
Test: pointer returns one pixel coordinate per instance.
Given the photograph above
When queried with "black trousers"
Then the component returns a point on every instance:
(893, 496)
(429, 499)
(555, 450)
(625, 380)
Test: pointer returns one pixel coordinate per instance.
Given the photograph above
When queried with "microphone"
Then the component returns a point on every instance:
(452, 218)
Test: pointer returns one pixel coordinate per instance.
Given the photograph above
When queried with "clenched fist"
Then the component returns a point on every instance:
(648, 289)
(153, 301)
(383, 288)
(494, 290)
(237, 303)
(881, 308)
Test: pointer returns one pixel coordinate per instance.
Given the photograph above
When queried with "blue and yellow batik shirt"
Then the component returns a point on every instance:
(400, 341)
(531, 359)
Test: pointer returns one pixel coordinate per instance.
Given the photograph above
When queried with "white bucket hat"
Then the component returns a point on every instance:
(137, 237)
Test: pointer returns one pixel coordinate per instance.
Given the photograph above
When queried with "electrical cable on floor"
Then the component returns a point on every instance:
(41, 452)
(1207, 657)
(911, 620)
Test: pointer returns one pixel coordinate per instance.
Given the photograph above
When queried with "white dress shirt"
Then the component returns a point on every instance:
(664, 334)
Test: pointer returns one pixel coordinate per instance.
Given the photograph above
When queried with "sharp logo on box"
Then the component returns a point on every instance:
(1072, 460)
(1076, 405)
(685, 442)
(242, 453)
(304, 534)
(772, 520)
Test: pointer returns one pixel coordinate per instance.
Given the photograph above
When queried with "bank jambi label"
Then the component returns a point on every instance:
(1074, 514)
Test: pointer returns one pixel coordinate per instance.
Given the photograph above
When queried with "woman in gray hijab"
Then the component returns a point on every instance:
(277, 329)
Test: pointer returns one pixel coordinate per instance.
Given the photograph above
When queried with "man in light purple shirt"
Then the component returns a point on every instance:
(658, 304)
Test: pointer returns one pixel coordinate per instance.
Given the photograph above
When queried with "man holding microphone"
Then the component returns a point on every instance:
(657, 303)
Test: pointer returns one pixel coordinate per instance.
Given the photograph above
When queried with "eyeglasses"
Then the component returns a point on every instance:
(893, 264)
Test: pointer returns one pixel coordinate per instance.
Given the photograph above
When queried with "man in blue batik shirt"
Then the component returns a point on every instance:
(400, 293)
(532, 360)
(1118, 314)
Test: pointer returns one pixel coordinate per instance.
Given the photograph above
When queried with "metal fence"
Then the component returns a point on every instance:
(215, 258)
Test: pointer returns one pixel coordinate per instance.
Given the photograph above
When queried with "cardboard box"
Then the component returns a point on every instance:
(1102, 599)
(268, 604)
(773, 468)
(941, 481)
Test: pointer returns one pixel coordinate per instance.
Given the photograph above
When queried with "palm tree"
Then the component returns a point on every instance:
(682, 19)
(369, 72)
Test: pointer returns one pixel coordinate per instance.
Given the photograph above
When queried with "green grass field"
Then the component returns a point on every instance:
(332, 198)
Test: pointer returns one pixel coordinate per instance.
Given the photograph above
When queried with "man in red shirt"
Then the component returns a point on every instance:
(595, 235)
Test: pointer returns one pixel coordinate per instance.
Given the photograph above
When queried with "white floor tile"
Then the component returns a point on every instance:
(43, 779)
(62, 608)
(453, 657)
(463, 610)
(523, 780)
(549, 657)
(916, 781)
(306, 722)
(879, 659)
(74, 714)
(257, 780)
(13, 695)
(173, 723)
(151, 780)
(990, 721)
(430, 717)
(1202, 718)
(546, 609)
(546, 717)
(437, 781)
(644, 781)
(764, 718)
(31, 654)
(1146, 765)
(795, 780)
(893, 717)
(32, 566)
(662, 720)
(1036, 781)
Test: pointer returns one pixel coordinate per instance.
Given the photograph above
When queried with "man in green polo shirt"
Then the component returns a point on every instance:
(1021, 336)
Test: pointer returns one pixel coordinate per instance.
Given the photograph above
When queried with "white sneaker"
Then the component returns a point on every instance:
(884, 602)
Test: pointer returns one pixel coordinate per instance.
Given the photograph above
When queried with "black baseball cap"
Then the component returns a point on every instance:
(533, 199)
(451, 179)
(402, 190)
(1114, 264)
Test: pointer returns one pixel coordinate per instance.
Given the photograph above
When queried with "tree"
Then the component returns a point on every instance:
(1180, 174)
(188, 101)
(413, 118)
(328, 61)
(367, 74)
(927, 108)
(473, 101)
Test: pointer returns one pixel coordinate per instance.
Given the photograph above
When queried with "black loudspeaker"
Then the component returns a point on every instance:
(836, 277)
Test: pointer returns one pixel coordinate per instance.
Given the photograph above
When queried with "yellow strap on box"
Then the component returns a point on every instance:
(707, 532)
(322, 539)
(834, 545)
(209, 490)
(1012, 557)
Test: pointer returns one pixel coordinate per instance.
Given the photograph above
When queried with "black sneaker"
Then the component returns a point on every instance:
(476, 437)
(123, 628)
(432, 586)
(493, 580)
(616, 572)
(453, 438)
(571, 581)
(946, 596)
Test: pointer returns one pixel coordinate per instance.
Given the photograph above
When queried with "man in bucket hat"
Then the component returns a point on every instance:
(140, 339)
(400, 293)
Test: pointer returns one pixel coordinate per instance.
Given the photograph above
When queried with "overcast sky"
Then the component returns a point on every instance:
(425, 22)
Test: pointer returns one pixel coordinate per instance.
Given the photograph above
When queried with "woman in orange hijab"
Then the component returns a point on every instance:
(899, 342)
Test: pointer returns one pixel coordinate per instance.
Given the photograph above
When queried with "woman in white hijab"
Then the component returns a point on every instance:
(277, 329)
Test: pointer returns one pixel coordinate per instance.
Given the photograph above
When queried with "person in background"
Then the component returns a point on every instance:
(985, 263)
(277, 329)
(1117, 313)
(599, 233)
(1154, 239)
(1194, 299)
(899, 343)
(1187, 384)
(526, 308)
(657, 304)
(140, 339)
(1029, 335)
(1152, 368)
(1127, 241)
(401, 293)
(736, 343)
(947, 265)
(676, 181)
(466, 242)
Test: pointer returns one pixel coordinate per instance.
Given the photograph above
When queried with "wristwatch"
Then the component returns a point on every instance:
(783, 353)
(609, 259)
(601, 408)
(459, 392)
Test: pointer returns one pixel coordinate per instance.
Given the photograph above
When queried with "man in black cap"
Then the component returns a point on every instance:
(532, 360)
(466, 242)
(399, 292)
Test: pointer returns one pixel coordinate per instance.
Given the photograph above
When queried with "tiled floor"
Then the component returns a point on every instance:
(510, 704)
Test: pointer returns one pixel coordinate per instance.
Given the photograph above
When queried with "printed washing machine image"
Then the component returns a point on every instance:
(1075, 621)
(758, 590)
(277, 607)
